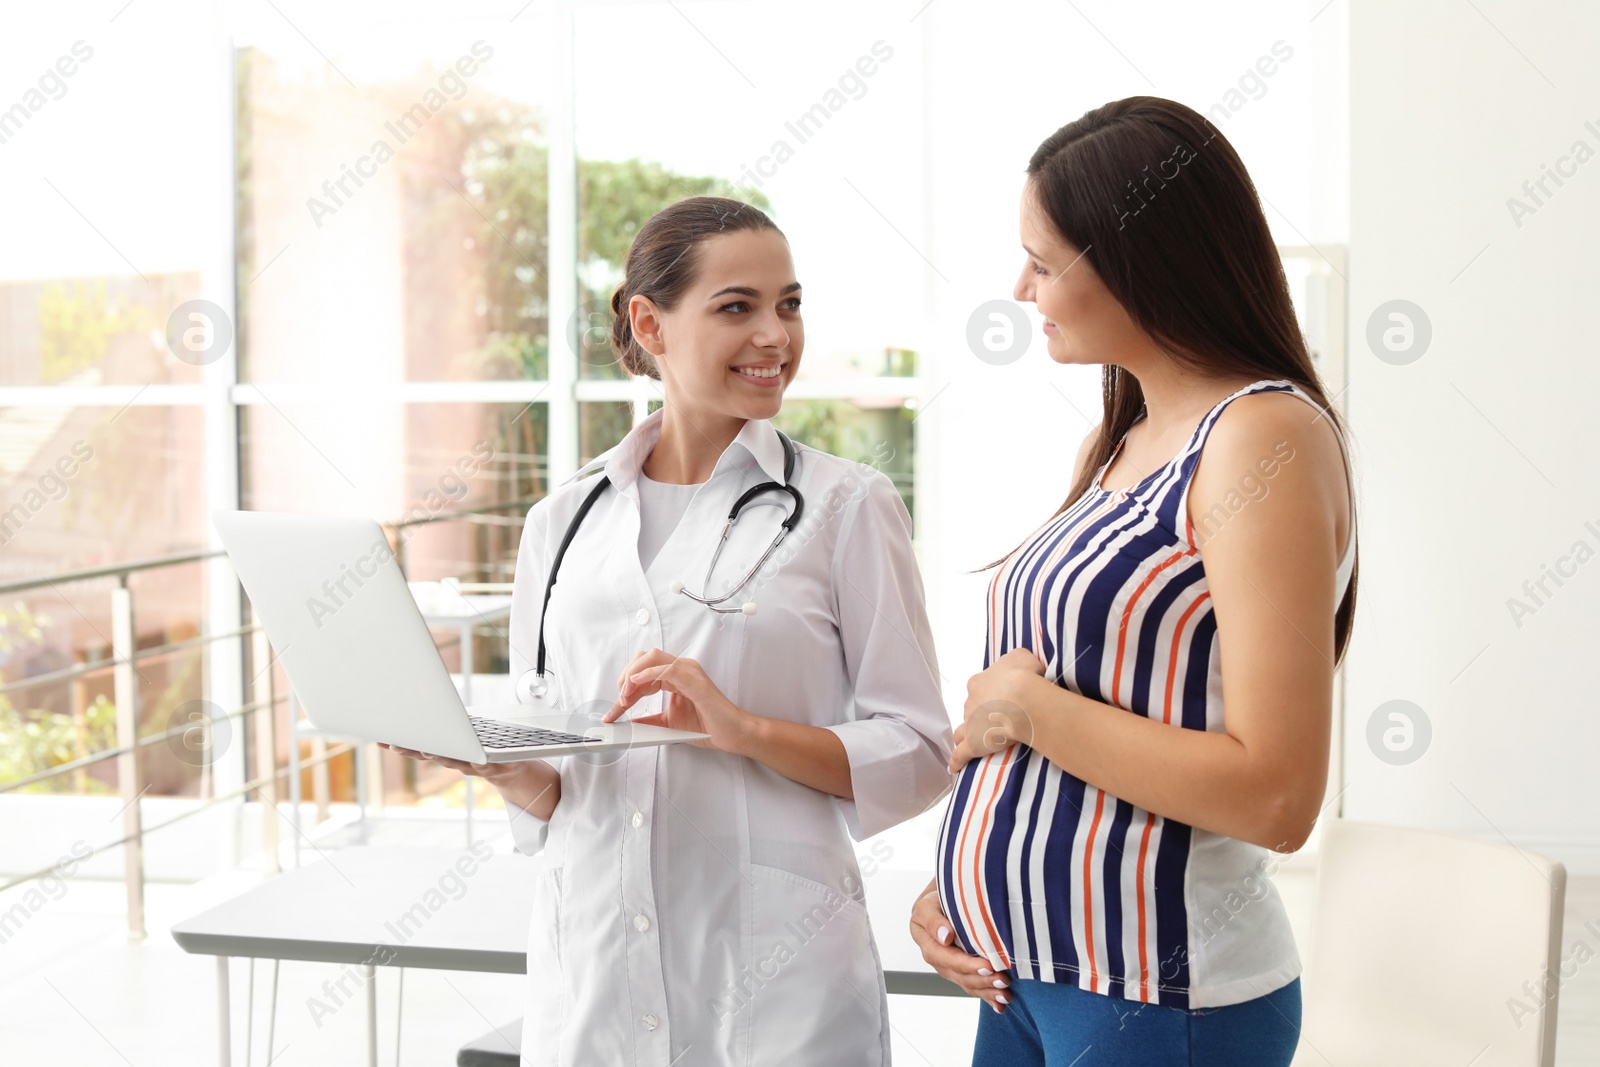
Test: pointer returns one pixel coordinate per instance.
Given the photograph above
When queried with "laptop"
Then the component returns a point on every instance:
(362, 662)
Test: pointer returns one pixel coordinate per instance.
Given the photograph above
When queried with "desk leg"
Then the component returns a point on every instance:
(272, 1011)
(372, 1015)
(224, 1036)
(399, 1010)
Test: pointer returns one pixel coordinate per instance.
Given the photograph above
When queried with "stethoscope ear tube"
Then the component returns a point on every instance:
(555, 567)
(767, 487)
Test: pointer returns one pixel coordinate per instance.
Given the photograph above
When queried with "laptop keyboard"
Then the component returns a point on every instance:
(504, 735)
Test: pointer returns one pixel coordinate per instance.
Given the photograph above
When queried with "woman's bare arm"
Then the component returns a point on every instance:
(1270, 557)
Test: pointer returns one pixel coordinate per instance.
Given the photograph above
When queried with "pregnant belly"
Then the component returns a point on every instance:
(971, 872)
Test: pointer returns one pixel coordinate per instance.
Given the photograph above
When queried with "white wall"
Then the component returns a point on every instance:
(1479, 455)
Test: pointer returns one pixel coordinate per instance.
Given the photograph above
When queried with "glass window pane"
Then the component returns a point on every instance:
(396, 231)
(102, 247)
(408, 464)
(91, 486)
(52, 720)
(880, 434)
(601, 424)
(110, 330)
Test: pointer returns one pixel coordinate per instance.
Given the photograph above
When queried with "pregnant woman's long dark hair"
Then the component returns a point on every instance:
(1165, 212)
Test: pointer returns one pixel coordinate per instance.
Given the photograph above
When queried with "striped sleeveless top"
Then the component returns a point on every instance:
(1055, 880)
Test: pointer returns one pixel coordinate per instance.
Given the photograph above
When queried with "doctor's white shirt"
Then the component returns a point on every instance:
(695, 907)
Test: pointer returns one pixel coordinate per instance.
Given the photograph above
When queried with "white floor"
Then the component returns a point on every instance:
(74, 990)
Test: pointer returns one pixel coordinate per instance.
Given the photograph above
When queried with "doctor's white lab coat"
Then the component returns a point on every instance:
(695, 907)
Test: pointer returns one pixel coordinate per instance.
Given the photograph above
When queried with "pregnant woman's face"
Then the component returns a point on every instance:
(1084, 323)
(734, 341)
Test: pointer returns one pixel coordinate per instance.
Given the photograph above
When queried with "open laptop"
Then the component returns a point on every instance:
(359, 656)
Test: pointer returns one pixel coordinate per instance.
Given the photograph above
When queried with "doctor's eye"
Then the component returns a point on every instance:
(739, 304)
(793, 303)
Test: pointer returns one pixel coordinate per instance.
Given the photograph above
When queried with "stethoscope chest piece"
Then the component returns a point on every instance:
(538, 692)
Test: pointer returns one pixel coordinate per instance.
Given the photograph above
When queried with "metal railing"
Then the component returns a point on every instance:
(123, 663)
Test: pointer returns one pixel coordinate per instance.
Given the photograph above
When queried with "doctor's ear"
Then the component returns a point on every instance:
(645, 319)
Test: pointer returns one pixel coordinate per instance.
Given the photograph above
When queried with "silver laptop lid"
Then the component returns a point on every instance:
(347, 630)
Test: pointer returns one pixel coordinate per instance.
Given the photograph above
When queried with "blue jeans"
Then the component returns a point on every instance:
(1051, 1024)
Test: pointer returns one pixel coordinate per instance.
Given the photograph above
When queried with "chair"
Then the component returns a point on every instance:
(1430, 948)
(497, 1048)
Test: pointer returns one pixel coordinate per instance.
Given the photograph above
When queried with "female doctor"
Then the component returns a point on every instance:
(701, 903)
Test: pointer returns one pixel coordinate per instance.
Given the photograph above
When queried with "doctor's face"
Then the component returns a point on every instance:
(733, 343)
(1083, 323)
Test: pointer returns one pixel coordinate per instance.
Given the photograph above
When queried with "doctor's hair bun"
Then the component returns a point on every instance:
(635, 360)
(662, 264)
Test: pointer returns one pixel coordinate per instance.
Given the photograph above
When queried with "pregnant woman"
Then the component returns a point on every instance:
(701, 903)
(1153, 720)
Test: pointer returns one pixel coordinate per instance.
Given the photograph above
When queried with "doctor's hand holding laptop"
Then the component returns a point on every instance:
(362, 662)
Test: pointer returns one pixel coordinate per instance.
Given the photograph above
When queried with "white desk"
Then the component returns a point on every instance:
(344, 909)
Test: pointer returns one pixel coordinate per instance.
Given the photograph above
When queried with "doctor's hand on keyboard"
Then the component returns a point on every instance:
(693, 700)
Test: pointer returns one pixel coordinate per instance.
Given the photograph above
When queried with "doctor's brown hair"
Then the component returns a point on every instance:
(663, 262)
(1164, 210)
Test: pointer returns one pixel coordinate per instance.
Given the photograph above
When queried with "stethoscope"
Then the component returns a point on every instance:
(534, 685)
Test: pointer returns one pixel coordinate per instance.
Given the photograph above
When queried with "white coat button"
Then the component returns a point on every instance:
(641, 923)
(650, 1020)
(638, 820)
(643, 616)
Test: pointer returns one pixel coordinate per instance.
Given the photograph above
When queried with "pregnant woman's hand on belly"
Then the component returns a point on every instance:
(931, 931)
(996, 708)
(693, 701)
